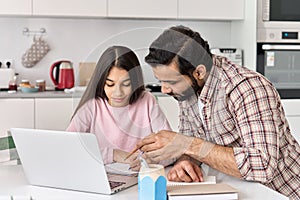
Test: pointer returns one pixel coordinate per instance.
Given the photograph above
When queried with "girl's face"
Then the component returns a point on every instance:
(118, 87)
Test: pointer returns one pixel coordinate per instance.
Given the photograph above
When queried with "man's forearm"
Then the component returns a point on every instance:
(218, 157)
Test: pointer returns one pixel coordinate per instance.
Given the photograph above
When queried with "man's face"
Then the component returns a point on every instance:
(173, 83)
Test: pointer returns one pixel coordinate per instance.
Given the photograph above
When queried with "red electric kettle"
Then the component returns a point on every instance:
(64, 74)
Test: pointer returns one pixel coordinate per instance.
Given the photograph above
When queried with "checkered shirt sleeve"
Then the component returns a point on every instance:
(269, 154)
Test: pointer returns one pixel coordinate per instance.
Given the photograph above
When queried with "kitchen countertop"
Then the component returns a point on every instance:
(14, 185)
(51, 94)
(45, 94)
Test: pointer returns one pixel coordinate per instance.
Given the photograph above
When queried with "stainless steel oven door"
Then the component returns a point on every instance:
(281, 65)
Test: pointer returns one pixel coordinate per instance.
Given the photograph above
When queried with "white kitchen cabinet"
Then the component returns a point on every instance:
(142, 8)
(171, 109)
(292, 112)
(166, 9)
(16, 113)
(15, 7)
(86, 8)
(294, 126)
(211, 10)
(53, 113)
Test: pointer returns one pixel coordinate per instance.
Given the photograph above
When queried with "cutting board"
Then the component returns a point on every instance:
(86, 70)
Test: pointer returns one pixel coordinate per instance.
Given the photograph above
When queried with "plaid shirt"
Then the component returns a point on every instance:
(242, 109)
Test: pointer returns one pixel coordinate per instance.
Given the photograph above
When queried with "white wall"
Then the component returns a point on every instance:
(84, 39)
(243, 34)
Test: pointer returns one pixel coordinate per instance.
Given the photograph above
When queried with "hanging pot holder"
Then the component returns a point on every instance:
(35, 53)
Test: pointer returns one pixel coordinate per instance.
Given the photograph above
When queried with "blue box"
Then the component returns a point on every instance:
(152, 183)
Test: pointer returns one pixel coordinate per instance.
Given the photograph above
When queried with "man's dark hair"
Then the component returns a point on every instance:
(183, 46)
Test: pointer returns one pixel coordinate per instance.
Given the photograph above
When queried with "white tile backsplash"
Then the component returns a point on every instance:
(84, 39)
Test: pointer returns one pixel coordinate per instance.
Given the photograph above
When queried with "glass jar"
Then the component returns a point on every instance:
(41, 84)
(12, 84)
(25, 82)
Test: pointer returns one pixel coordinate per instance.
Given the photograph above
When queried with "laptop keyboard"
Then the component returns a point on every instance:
(114, 184)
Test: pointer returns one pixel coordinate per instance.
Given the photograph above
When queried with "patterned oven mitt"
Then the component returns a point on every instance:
(35, 53)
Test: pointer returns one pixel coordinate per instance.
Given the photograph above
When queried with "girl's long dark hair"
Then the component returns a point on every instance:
(115, 56)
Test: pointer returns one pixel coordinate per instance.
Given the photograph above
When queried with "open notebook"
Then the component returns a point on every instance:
(207, 180)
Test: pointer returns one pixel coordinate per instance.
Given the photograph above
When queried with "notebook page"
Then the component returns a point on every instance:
(207, 180)
(119, 168)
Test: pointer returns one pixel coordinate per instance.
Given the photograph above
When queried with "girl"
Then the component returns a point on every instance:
(116, 108)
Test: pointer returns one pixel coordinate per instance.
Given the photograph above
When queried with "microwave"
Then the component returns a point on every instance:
(280, 10)
(278, 21)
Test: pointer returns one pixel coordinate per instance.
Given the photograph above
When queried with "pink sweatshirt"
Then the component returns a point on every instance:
(119, 127)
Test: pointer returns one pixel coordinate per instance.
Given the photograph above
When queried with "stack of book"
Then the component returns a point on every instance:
(207, 190)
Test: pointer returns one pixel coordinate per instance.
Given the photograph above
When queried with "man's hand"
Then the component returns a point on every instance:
(185, 171)
(164, 145)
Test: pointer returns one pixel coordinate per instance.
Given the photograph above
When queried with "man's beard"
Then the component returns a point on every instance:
(191, 91)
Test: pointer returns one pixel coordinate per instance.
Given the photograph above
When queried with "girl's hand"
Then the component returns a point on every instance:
(133, 161)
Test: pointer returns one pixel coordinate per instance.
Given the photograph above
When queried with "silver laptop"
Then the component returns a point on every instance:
(66, 160)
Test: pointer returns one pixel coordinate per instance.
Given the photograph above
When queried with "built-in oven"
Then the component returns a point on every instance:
(278, 45)
(280, 63)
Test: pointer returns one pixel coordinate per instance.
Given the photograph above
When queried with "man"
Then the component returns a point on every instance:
(231, 118)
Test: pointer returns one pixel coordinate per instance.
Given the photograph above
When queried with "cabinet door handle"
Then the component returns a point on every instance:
(280, 47)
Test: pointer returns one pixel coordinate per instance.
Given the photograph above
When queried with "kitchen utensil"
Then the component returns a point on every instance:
(86, 70)
(35, 53)
(62, 74)
(29, 89)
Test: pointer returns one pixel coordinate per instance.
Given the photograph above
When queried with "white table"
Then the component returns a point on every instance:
(13, 183)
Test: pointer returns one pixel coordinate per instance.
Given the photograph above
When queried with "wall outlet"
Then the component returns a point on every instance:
(7, 63)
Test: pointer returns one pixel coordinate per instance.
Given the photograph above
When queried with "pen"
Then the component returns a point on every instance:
(132, 152)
